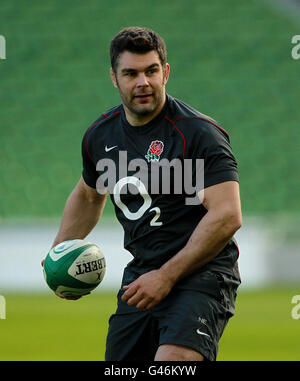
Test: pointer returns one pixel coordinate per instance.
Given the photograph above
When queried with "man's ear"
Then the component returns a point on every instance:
(113, 78)
(166, 73)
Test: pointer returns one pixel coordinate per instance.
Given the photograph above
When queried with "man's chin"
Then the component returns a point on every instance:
(143, 109)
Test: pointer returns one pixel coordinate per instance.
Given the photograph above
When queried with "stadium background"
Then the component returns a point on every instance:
(231, 60)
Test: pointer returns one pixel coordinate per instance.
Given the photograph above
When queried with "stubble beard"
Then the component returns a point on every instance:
(140, 110)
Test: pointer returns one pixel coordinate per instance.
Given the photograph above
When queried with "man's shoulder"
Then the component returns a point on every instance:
(116, 110)
(191, 120)
(103, 119)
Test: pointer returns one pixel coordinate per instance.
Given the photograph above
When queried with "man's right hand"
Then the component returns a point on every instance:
(63, 296)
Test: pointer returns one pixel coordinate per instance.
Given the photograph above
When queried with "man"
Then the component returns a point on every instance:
(179, 290)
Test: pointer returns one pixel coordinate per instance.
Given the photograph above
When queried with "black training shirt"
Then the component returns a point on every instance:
(157, 225)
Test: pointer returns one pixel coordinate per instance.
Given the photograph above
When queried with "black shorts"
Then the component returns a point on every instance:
(193, 315)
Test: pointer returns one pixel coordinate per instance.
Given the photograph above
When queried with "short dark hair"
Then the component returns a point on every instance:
(137, 40)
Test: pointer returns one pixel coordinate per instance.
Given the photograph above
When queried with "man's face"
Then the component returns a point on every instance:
(141, 79)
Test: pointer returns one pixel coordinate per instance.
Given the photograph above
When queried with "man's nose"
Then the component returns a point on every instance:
(142, 80)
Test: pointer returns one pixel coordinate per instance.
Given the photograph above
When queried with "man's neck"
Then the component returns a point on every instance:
(138, 120)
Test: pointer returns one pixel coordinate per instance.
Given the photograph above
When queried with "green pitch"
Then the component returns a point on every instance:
(44, 327)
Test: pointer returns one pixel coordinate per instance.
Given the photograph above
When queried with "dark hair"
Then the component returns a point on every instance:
(137, 40)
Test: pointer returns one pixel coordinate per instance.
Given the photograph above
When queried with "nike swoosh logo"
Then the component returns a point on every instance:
(201, 333)
(110, 148)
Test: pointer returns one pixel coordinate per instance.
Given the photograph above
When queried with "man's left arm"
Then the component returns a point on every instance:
(214, 231)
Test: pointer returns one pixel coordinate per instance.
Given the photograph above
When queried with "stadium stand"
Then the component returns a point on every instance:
(231, 60)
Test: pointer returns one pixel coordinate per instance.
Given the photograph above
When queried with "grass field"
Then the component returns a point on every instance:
(44, 327)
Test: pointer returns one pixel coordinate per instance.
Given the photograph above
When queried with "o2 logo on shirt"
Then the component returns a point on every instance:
(296, 49)
(140, 186)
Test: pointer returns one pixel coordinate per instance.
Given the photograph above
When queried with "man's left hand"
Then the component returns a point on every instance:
(147, 290)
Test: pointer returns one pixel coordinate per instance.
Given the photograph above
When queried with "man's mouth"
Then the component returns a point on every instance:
(143, 96)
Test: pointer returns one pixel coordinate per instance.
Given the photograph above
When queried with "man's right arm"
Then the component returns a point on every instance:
(82, 211)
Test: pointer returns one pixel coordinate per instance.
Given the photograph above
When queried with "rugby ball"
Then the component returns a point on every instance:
(74, 267)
